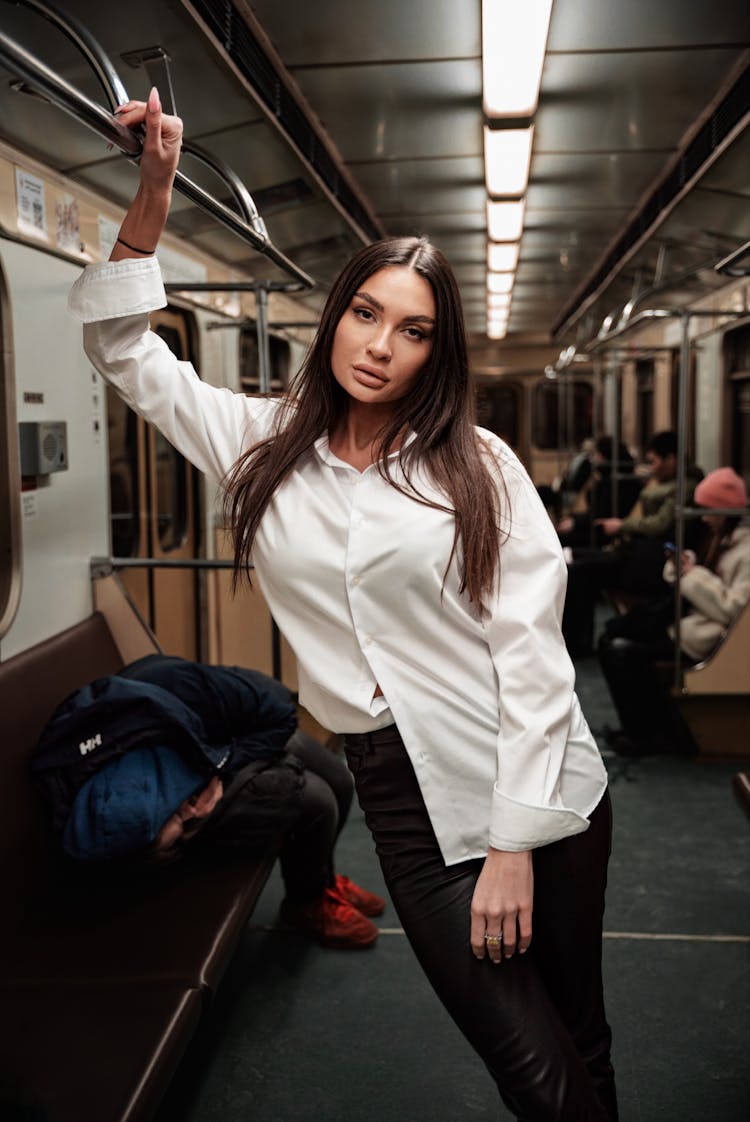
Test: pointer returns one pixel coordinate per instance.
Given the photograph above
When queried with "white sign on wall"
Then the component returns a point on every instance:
(31, 209)
(68, 224)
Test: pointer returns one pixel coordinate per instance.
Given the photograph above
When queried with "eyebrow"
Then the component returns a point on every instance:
(379, 308)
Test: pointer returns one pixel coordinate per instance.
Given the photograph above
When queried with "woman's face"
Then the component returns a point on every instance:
(384, 338)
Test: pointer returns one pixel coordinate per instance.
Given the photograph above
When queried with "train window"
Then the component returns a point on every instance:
(171, 483)
(563, 414)
(280, 357)
(10, 482)
(498, 411)
(124, 485)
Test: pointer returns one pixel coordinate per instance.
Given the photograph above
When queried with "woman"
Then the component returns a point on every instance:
(714, 593)
(375, 512)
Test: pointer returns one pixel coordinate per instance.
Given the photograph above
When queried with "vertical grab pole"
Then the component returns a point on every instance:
(682, 404)
(599, 415)
(261, 328)
(614, 466)
(264, 380)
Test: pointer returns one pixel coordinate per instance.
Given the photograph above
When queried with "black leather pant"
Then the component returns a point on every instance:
(537, 1020)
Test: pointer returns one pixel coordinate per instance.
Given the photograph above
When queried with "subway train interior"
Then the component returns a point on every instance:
(584, 165)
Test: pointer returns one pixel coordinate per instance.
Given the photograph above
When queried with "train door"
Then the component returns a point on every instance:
(242, 630)
(153, 511)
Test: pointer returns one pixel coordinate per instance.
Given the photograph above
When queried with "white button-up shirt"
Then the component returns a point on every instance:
(353, 572)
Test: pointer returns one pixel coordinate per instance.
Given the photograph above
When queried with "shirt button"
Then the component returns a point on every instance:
(355, 580)
(368, 640)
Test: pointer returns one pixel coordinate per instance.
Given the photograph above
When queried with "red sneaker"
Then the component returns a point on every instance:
(332, 921)
(365, 902)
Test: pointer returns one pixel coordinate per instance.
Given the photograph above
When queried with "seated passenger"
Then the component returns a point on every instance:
(579, 527)
(635, 561)
(169, 753)
(715, 591)
(567, 492)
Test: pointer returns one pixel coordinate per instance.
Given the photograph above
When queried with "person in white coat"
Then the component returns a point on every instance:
(714, 592)
(411, 566)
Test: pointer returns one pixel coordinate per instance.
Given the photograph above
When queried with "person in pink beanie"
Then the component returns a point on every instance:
(715, 589)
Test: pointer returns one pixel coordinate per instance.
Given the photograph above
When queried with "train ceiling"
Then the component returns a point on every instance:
(388, 94)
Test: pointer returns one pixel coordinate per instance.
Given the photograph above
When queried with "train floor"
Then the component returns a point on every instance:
(304, 1034)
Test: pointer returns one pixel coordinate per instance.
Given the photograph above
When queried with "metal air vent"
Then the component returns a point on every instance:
(257, 69)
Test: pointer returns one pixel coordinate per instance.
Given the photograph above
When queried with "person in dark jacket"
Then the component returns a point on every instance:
(170, 752)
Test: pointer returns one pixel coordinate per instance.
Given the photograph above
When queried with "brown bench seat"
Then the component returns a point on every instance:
(86, 1051)
(103, 975)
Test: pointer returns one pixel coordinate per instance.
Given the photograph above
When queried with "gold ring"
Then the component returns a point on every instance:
(493, 940)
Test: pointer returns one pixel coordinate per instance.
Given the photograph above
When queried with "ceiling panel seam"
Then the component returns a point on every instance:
(297, 67)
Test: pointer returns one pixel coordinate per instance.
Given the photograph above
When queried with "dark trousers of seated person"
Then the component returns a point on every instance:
(306, 852)
(537, 1020)
(635, 569)
(647, 714)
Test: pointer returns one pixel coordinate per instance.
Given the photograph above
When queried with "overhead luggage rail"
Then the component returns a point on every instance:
(52, 87)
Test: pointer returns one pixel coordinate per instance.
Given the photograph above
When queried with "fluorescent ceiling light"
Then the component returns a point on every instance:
(502, 257)
(505, 221)
(500, 282)
(514, 39)
(496, 330)
(498, 300)
(507, 157)
(498, 315)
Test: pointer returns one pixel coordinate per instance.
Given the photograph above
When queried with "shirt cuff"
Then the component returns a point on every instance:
(518, 826)
(113, 289)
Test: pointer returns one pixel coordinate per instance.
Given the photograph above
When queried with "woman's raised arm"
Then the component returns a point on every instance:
(146, 217)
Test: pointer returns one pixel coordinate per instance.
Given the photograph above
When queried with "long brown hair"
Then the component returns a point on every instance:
(439, 409)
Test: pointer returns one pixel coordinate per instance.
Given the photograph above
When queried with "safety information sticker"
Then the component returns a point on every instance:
(32, 214)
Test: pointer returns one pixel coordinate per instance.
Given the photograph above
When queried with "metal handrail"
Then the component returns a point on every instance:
(81, 37)
(660, 286)
(616, 332)
(71, 100)
(104, 565)
(728, 267)
(242, 196)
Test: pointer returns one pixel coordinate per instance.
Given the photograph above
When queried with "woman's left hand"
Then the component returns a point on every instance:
(502, 905)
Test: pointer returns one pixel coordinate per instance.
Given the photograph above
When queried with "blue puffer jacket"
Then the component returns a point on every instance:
(219, 718)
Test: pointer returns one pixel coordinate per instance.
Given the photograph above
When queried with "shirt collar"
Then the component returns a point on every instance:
(323, 450)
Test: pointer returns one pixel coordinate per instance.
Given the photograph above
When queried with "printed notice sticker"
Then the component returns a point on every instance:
(68, 223)
(28, 505)
(32, 213)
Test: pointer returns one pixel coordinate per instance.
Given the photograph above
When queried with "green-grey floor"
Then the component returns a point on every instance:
(304, 1034)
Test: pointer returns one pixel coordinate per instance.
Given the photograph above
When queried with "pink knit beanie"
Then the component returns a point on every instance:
(721, 488)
